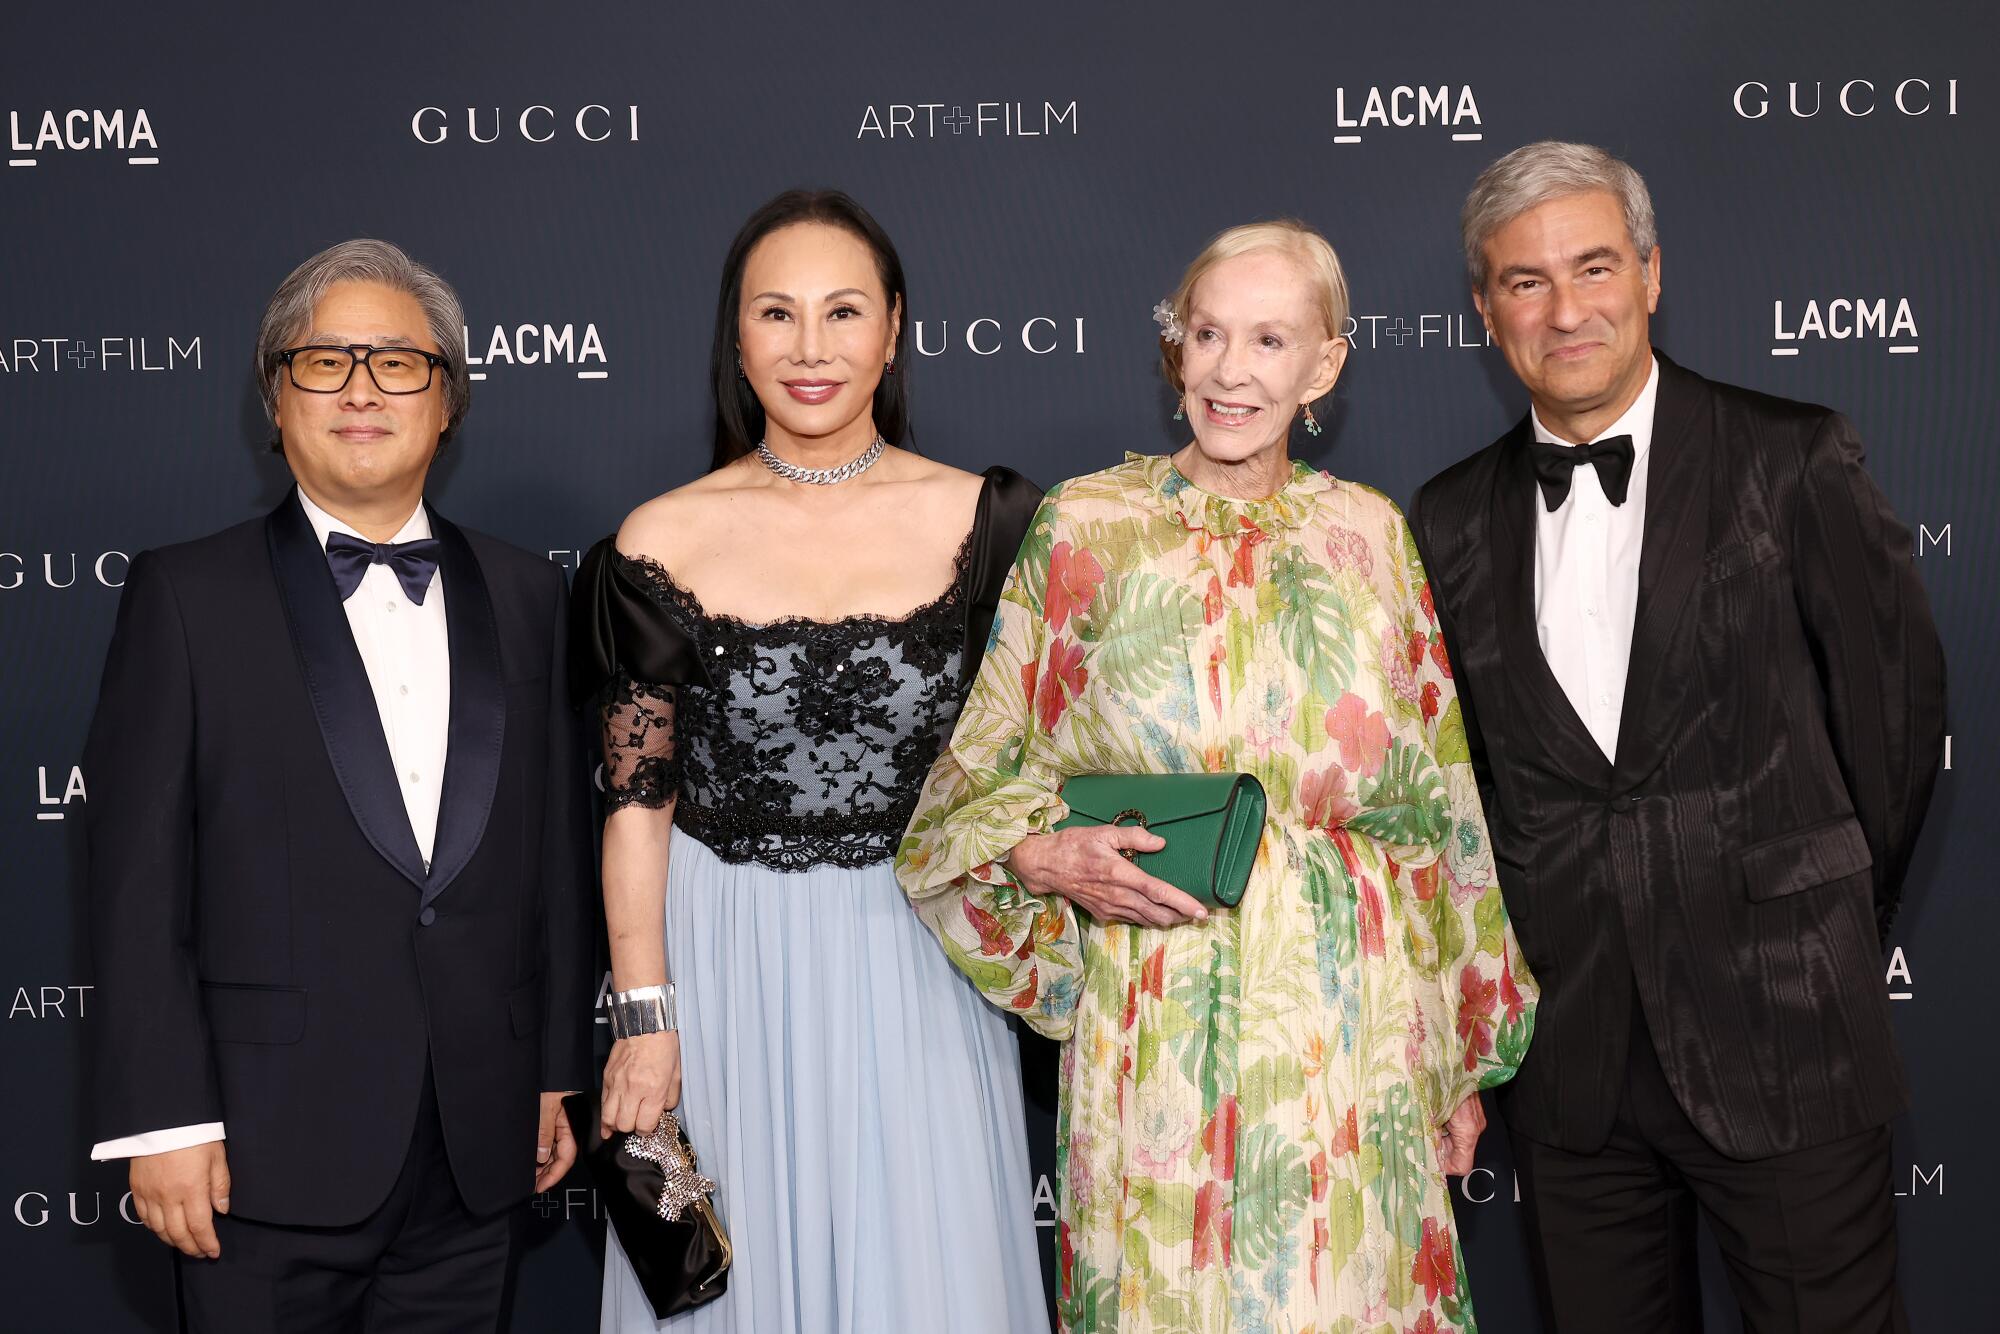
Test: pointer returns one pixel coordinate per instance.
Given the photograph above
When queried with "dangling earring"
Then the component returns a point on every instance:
(1180, 411)
(741, 374)
(889, 366)
(1312, 425)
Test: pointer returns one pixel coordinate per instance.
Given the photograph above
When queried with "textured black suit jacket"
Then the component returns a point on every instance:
(270, 950)
(1782, 728)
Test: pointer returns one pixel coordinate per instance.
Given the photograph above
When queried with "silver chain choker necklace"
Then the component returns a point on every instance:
(854, 467)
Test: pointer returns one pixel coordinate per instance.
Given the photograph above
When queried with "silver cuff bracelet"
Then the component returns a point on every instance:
(642, 1010)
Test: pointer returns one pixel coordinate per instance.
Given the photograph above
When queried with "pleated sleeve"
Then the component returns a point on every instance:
(992, 786)
(1460, 938)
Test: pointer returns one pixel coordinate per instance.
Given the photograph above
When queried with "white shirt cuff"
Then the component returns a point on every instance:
(157, 1141)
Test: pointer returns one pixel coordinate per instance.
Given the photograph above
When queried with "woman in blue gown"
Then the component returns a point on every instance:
(780, 648)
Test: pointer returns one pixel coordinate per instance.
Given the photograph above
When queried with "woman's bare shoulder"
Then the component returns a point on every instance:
(952, 489)
(667, 521)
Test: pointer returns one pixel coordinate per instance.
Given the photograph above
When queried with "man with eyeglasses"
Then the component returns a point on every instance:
(338, 863)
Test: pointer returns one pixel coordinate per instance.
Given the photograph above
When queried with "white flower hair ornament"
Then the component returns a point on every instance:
(1170, 325)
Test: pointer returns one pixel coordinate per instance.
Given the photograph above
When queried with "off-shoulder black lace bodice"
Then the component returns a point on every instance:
(796, 743)
(810, 739)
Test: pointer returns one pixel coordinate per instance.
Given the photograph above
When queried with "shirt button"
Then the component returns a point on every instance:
(388, 606)
(1590, 518)
(718, 650)
(1601, 699)
(1587, 611)
(427, 916)
(404, 690)
(413, 776)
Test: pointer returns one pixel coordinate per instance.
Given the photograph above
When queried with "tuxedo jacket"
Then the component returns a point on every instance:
(1734, 869)
(271, 951)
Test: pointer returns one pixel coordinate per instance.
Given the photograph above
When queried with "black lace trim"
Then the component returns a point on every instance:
(658, 581)
(796, 842)
(650, 787)
(844, 704)
(641, 762)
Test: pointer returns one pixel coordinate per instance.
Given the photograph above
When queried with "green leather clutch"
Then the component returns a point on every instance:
(1212, 824)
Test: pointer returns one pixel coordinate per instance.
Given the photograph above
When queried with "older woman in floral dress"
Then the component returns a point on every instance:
(1259, 1104)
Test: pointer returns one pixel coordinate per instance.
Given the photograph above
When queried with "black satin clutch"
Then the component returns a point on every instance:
(659, 1202)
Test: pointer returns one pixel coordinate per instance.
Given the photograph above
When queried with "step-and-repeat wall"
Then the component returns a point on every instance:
(1825, 181)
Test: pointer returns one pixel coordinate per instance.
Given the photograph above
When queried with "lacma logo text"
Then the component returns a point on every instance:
(77, 130)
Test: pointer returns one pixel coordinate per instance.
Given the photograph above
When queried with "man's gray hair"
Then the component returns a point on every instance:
(1531, 176)
(289, 316)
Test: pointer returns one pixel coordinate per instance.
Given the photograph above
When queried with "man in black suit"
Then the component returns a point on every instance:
(339, 877)
(1706, 704)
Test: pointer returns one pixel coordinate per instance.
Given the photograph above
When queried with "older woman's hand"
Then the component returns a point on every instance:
(1458, 1139)
(1085, 865)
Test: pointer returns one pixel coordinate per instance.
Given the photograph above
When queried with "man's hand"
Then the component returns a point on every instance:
(178, 1194)
(1460, 1137)
(555, 1147)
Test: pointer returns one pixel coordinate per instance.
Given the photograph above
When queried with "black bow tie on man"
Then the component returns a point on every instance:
(414, 562)
(1556, 464)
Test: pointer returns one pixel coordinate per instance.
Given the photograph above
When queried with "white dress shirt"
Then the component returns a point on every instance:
(1587, 575)
(406, 652)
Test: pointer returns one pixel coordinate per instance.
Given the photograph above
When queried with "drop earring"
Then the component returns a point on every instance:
(1312, 423)
(1180, 411)
(741, 374)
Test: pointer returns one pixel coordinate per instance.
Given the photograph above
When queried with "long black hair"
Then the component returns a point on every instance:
(739, 417)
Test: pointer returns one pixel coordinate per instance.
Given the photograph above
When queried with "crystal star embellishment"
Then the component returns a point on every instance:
(1170, 325)
(683, 1185)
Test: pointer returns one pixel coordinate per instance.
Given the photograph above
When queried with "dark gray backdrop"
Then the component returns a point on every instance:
(1046, 171)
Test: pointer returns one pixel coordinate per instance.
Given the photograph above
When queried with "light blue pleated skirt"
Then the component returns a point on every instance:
(858, 1105)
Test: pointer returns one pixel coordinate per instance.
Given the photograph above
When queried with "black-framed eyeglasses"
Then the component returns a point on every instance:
(326, 369)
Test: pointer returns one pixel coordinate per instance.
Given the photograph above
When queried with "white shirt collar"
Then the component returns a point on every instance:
(416, 526)
(1636, 422)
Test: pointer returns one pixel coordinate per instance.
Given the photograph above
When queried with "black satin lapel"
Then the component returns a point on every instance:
(342, 700)
(1513, 525)
(478, 725)
(1670, 564)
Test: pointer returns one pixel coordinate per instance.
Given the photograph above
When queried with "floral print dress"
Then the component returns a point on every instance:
(1250, 1106)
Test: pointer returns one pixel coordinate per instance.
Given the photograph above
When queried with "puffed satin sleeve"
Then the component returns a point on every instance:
(1460, 938)
(628, 659)
(1008, 504)
(991, 787)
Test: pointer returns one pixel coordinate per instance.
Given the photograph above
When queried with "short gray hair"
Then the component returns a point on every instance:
(1531, 176)
(1326, 280)
(289, 316)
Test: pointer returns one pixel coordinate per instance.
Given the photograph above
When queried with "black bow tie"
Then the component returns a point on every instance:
(414, 563)
(1556, 464)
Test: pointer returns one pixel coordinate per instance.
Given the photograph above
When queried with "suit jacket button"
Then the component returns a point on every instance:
(427, 916)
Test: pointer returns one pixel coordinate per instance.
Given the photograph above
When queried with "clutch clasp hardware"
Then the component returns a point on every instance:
(1136, 817)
